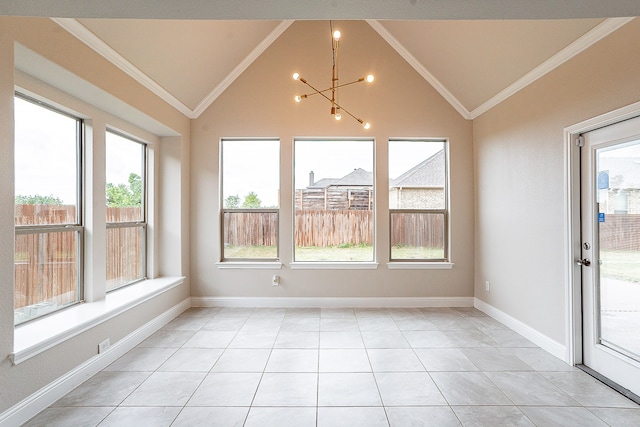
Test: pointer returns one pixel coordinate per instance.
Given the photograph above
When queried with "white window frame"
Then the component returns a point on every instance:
(142, 223)
(227, 262)
(77, 226)
(426, 263)
(335, 265)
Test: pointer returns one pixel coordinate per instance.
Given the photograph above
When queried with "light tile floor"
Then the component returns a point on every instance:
(339, 367)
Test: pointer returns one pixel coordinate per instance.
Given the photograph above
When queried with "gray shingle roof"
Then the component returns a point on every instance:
(426, 174)
(359, 177)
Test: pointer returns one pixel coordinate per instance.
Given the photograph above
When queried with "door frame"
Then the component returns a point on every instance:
(573, 273)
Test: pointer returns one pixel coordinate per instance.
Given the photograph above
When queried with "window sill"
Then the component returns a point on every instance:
(420, 265)
(40, 335)
(333, 265)
(258, 265)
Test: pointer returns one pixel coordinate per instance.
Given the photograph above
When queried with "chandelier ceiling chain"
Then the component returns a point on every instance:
(336, 108)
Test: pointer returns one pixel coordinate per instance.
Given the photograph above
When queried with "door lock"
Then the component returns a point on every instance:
(585, 262)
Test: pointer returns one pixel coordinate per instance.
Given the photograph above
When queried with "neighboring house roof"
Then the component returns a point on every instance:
(426, 174)
(359, 177)
(624, 172)
(324, 183)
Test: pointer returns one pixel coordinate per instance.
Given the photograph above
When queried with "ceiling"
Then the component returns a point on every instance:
(474, 64)
(476, 53)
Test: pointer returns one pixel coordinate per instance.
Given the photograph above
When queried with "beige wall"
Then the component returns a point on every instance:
(170, 236)
(260, 104)
(519, 178)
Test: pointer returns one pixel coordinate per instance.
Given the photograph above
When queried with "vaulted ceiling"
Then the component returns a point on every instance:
(473, 61)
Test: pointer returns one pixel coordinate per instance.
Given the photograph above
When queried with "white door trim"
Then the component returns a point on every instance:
(573, 294)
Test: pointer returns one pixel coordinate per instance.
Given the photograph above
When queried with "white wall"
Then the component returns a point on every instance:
(78, 62)
(519, 178)
(260, 104)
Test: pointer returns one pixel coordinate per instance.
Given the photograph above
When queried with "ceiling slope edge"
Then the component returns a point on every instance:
(240, 68)
(596, 34)
(430, 78)
(82, 33)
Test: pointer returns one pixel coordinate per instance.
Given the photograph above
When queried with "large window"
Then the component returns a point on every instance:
(418, 192)
(250, 173)
(48, 228)
(126, 213)
(333, 200)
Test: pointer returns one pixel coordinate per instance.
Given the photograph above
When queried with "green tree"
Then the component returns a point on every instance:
(232, 202)
(251, 201)
(122, 195)
(38, 200)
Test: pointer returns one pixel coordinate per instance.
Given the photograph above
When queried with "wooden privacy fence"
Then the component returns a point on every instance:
(620, 232)
(333, 228)
(417, 229)
(325, 228)
(250, 228)
(334, 198)
(46, 267)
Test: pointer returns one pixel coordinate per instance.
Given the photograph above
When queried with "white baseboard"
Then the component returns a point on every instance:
(543, 341)
(46, 396)
(332, 302)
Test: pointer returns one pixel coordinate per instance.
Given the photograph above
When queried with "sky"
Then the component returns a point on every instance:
(45, 153)
(46, 156)
(254, 165)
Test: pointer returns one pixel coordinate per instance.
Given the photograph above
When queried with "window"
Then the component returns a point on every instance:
(333, 200)
(250, 174)
(126, 210)
(418, 192)
(48, 227)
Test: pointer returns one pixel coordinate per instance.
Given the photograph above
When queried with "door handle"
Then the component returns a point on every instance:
(585, 262)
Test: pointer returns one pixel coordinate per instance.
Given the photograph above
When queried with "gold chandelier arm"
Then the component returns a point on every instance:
(315, 91)
(360, 80)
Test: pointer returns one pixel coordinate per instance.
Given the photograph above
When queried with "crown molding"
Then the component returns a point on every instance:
(82, 33)
(241, 67)
(433, 81)
(596, 34)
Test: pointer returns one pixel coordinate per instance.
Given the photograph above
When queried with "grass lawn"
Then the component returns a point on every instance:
(621, 265)
(349, 253)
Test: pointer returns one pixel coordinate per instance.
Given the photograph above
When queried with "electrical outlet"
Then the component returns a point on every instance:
(275, 280)
(487, 286)
(103, 346)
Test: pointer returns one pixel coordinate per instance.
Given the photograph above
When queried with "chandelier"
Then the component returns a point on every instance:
(331, 93)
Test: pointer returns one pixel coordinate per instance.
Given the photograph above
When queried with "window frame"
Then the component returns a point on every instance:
(141, 223)
(78, 225)
(336, 264)
(444, 211)
(224, 211)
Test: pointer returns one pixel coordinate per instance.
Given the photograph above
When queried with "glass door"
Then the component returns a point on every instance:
(610, 194)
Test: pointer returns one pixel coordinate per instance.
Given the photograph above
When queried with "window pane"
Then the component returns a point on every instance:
(418, 200)
(125, 256)
(46, 273)
(417, 235)
(250, 174)
(417, 171)
(251, 235)
(125, 179)
(46, 165)
(333, 200)
(250, 181)
(125, 198)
